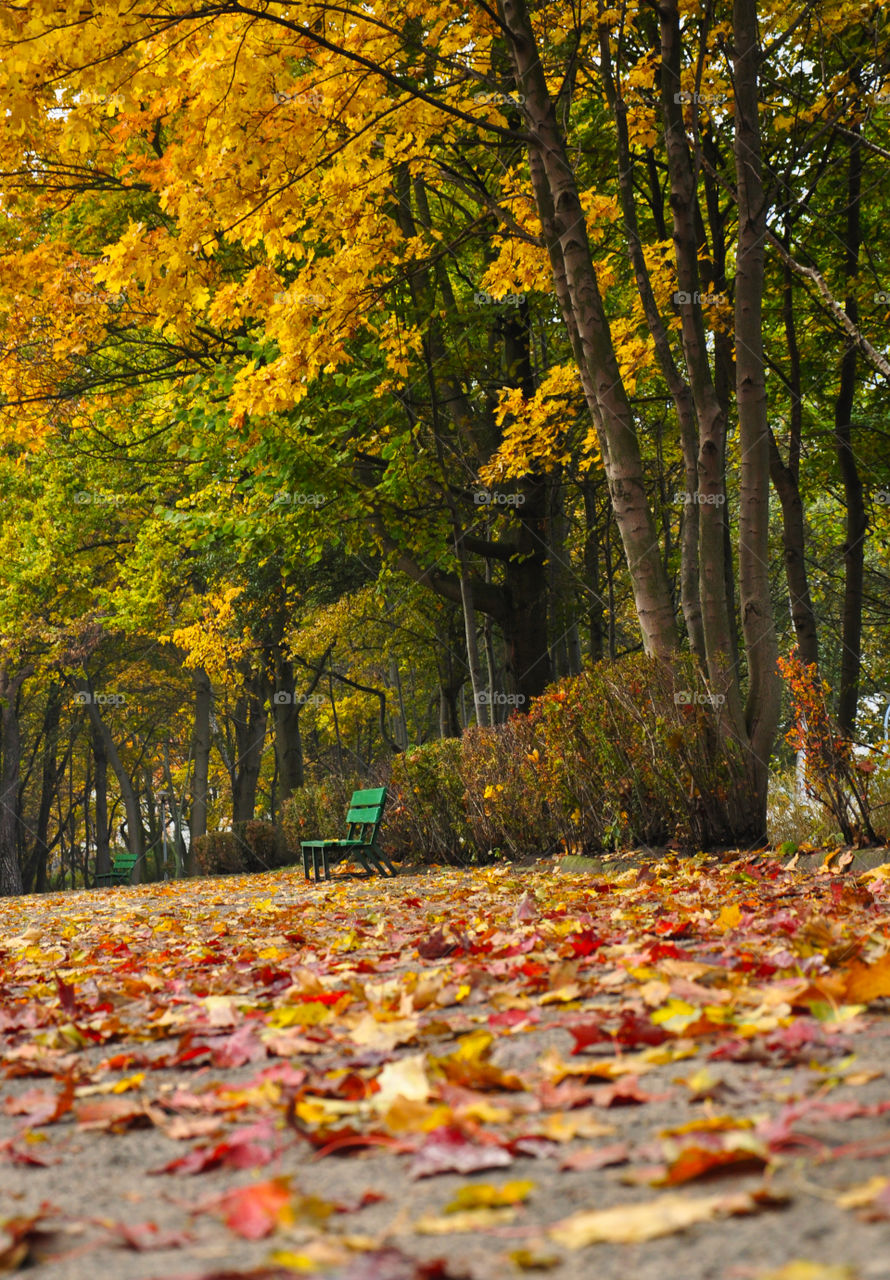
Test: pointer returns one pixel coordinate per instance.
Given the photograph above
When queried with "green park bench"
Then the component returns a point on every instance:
(121, 870)
(360, 842)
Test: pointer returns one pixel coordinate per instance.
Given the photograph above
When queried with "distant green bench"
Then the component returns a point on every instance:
(121, 870)
(360, 842)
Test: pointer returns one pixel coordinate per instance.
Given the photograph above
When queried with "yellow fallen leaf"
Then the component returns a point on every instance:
(406, 1116)
(534, 1258)
(802, 1270)
(633, 1223)
(676, 1015)
(467, 1220)
(370, 1033)
(563, 1127)
(862, 1193)
(406, 1079)
(562, 995)
(866, 982)
(729, 917)
(483, 1195)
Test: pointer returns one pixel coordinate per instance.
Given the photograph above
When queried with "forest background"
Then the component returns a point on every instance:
(374, 377)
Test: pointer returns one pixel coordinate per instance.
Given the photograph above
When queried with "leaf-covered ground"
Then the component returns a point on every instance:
(675, 1071)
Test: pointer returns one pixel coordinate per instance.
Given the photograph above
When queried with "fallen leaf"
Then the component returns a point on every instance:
(634, 1223)
(467, 1220)
(256, 1211)
(447, 1150)
(482, 1195)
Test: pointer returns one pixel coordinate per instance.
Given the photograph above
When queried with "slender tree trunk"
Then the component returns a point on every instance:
(135, 830)
(50, 773)
(595, 608)
(202, 741)
(10, 744)
(471, 637)
(758, 629)
(679, 389)
(286, 724)
(250, 737)
(710, 494)
(100, 786)
(786, 481)
(565, 233)
(856, 519)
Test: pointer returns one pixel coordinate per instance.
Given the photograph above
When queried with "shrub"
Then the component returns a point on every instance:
(835, 775)
(425, 816)
(219, 853)
(264, 846)
(318, 810)
(508, 809)
(627, 753)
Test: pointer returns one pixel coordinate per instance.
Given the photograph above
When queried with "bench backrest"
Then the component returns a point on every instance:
(125, 861)
(365, 814)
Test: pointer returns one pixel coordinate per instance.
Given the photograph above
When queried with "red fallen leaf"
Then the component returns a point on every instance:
(345, 1139)
(448, 1150)
(33, 1102)
(111, 1113)
(67, 997)
(513, 1018)
(241, 1151)
(696, 1161)
(633, 1029)
(597, 1157)
(13, 1155)
(42, 1107)
(673, 928)
(237, 1049)
(256, 1211)
(436, 946)
(586, 1033)
(563, 1096)
(392, 1264)
(585, 942)
(624, 1092)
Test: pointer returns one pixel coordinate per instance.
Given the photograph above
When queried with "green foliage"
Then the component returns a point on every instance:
(426, 815)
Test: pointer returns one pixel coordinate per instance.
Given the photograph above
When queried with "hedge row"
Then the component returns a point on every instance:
(623, 755)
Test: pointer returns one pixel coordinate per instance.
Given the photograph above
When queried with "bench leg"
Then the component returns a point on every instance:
(305, 852)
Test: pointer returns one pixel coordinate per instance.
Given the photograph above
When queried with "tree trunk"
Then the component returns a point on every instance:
(251, 719)
(677, 386)
(10, 743)
(202, 742)
(135, 830)
(710, 494)
(758, 629)
(856, 519)
(565, 232)
(286, 723)
(50, 773)
(786, 481)
(100, 786)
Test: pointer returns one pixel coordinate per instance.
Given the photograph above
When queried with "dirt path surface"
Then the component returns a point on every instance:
(678, 1070)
